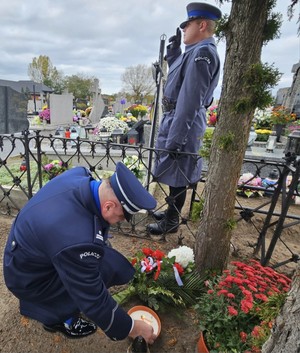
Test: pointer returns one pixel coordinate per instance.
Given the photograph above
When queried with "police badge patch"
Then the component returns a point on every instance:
(205, 58)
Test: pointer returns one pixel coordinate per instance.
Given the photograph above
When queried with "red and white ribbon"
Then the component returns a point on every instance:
(177, 276)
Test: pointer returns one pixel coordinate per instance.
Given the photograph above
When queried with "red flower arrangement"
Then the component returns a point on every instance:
(238, 310)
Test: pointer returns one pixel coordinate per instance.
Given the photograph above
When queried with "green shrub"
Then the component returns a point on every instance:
(206, 145)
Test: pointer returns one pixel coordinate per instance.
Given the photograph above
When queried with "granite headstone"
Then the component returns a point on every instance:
(13, 111)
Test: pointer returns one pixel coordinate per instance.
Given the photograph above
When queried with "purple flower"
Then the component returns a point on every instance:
(45, 114)
(48, 167)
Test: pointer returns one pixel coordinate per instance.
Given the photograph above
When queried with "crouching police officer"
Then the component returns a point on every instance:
(57, 262)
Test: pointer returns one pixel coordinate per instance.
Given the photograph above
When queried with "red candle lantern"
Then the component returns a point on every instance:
(132, 136)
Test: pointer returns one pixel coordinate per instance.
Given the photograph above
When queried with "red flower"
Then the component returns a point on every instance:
(246, 293)
(159, 255)
(147, 251)
(246, 306)
(237, 281)
(252, 287)
(232, 311)
(261, 296)
(256, 331)
(243, 336)
(133, 261)
(212, 120)
(222, 291)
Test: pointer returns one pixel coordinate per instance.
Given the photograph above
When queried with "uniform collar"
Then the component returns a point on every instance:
(209, 40)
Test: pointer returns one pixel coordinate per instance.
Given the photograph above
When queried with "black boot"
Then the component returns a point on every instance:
(159, 215)
(169, 224)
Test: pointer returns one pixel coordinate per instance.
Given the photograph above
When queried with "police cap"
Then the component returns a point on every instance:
(201, 10)
(130, 192)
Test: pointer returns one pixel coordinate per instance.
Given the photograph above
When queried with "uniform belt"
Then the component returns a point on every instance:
(168, 105)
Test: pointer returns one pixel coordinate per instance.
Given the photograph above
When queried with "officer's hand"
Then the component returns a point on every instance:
(174, 154)
(175, 41)
(141, 328)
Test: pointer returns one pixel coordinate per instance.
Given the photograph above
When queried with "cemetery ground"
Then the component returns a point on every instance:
(179, 332)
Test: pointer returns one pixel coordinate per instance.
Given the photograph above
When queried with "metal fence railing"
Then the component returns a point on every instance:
(24, 157)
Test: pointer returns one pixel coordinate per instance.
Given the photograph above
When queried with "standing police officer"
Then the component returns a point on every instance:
(57, 262)
(188, 91)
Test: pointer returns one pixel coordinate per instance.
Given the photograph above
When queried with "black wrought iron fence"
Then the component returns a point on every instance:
(25, 166)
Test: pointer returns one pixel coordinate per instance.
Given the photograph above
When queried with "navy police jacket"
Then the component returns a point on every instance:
(56, 260)
(192, 79)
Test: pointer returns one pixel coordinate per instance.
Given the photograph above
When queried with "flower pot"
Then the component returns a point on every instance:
(279, 131)
(201, 346)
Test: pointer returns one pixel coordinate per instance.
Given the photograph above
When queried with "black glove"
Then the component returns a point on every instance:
(175, 154)
(175, 40)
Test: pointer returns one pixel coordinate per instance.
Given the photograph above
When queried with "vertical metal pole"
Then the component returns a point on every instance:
(34, 99)
(159, 75)
(27, 161)
(286, 205)
(262, 235)
(6, 129)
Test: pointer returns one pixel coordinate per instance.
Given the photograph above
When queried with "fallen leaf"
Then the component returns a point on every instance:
(24, 321)
(172, 342)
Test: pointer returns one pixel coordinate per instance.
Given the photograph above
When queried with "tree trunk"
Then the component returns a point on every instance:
(286, 335)
(244, 41)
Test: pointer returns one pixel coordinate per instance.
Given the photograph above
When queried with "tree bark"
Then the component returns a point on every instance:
(286, 334)
(244, 41)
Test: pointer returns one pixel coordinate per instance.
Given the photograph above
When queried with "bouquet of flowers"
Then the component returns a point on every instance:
(45, 114)
(111, 123)
(161, 280)
(54, 168)
(135, 165)
(238, 310)
(212, 115)
(281, 115)
(262, 119)
(138, 109)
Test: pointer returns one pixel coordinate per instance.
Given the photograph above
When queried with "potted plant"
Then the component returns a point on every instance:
(280, 116)
(45, 115)
(237, 312)
(138, 109)
(111, 123)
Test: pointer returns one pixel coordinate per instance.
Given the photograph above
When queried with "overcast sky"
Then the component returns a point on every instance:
(102, 38)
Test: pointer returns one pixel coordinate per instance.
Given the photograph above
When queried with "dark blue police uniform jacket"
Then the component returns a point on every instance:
(191, 81)
(56, 260)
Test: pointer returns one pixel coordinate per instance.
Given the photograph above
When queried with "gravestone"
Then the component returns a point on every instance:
(61, 108)
(120, 104)
(13, 111)
(98, 104)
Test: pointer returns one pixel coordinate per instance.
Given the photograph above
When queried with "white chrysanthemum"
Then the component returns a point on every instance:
(111, 123)
(183, 255)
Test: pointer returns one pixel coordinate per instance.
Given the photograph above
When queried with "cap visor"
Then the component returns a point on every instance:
(183, 24)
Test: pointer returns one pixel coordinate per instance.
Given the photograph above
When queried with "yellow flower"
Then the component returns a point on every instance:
(137, 109)
(263, 131)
